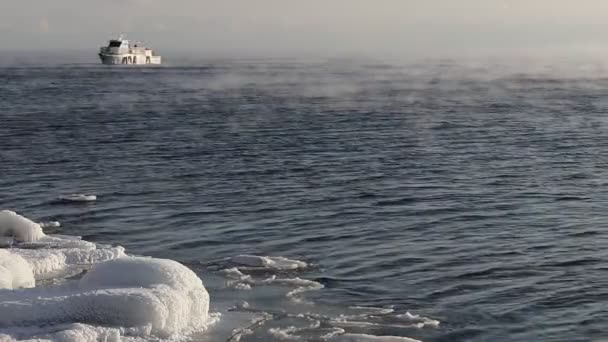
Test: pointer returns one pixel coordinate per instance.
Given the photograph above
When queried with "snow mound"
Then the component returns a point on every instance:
(15, 272)
(144, 291)
(19, 228)
(270, 263)
(141, 272)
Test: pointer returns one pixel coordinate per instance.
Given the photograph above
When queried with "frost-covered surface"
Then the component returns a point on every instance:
(118, 297)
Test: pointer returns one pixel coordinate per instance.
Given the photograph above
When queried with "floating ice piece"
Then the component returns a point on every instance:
(373, 310)
(265, 262)
(234, 273)
(301, 285)
(313, 331)
(419, 320)
(332, 332)
(50, 224)
(15, 272)
(240, 281)
(370, 338)
(285, 334)
(17, 227)
(242, 286)
(78, 198)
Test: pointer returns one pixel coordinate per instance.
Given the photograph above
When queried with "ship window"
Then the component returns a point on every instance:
(115, 43)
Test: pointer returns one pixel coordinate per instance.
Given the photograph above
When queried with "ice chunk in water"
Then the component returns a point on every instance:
(78, 198)
(265, 262)
(50, 224)
(370, 338)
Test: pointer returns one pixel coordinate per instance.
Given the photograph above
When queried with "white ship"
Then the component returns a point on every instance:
(121, 51)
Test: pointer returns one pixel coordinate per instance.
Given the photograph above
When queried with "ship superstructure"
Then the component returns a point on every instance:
(122, 51)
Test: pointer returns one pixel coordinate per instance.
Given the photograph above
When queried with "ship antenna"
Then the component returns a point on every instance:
(121, 37)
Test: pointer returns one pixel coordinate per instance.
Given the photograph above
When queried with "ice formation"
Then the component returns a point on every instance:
(62, 288)
(15, 272)
(118, 295)
(19, 228)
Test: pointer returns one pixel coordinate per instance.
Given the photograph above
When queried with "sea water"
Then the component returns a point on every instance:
(340, 200)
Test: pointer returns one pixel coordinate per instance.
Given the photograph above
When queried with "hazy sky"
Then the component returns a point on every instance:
(307, 27)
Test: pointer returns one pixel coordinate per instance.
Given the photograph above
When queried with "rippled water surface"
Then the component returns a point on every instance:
(473, 194)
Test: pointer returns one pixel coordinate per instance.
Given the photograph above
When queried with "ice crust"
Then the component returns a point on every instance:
(118, 296)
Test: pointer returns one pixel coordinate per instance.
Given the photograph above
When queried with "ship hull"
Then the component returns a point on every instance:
(110, 59)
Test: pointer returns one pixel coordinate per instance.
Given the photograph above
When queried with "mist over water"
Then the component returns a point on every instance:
(469, 192)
